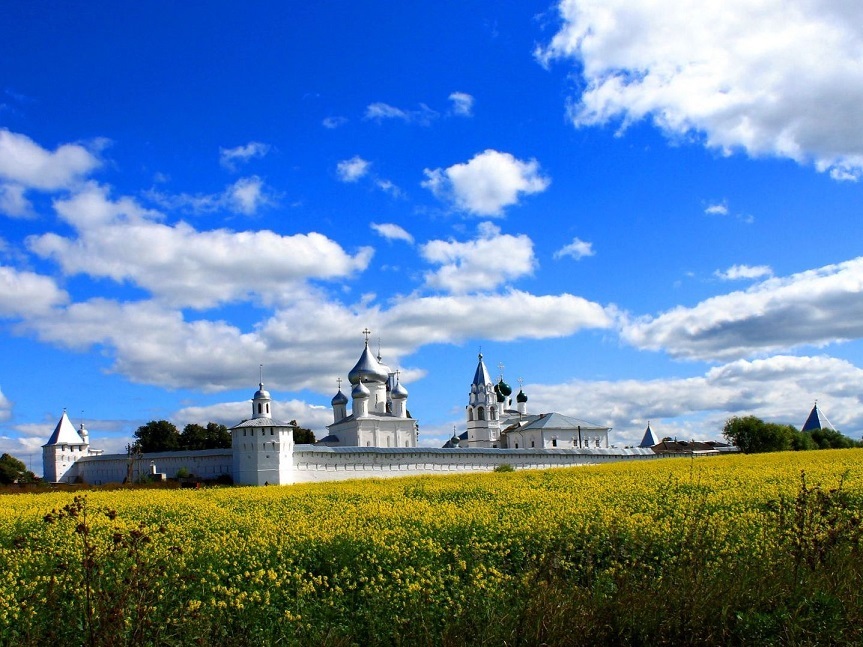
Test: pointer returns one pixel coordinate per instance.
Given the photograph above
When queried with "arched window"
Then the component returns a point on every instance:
(480, 414)
(259, 408)
(492, 414)
(470, 414)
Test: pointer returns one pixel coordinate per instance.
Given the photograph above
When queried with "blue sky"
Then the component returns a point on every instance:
(646, 213)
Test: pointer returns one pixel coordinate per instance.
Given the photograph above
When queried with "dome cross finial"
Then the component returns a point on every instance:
(366, 333)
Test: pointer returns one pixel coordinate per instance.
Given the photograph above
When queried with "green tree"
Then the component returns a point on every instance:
(156, 436)
(752, 435)
(302, 436)
(13, 470)
(831, 439)
(213, 436)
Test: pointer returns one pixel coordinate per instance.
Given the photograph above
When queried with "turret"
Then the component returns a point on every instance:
(483, 423)
(521, 402)
(340, 405)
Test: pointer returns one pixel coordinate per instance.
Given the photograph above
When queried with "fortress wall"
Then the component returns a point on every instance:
(338, 463)
(113, 468)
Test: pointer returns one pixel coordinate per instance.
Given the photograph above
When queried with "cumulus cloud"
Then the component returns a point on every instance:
(462, 104)
(392, 231)
(353, 169)
(816, 307)
(781, 388)
(577, 249)
(25, 294)
(25, 164)
(778, 77)
(181, 265)
(13, 202)
(307, 341)
(736, 272)
(486, 184)
(246, 196)
(380, 111)
(478, 265)
(230, 157)
(717, 209)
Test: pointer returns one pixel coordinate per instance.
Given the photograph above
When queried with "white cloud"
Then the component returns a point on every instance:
(185, 267)
(392, 231)
(246, 196)
(777, 77)
(479, 265)
(334, 122)
(462, 104)
(26, 164)
(5, 407)
(229, 157)
(353, 169)
(717, 209)
(487, 183)
(577, 249)
(380, 111)
(816, 307)
(736, 272)
(13, 202)
(780, 388)
(25, 294)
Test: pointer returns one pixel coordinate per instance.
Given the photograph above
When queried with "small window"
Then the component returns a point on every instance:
(259, 408)
(532, 444)
(516, 445)
(480, 414)
(554, 442)
(470, 415)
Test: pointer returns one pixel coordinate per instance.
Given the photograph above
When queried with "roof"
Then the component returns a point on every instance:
(261, 422)
(481, 377)
(817, 420)
(64, 433)
(558, 421)
(650, 438)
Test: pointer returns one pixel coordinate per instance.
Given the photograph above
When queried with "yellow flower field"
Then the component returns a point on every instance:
(673, 550)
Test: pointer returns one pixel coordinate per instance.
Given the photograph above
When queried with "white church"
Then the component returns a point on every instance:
(378, 438)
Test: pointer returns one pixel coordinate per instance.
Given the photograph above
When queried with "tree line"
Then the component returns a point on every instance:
(752, 436)
(163, 436)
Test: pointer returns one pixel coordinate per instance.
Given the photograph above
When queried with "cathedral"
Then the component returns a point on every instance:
(493, 423)
(379, 415)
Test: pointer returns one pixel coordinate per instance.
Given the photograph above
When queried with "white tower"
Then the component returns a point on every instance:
(340, 404)
(483, 423)
(62, 450)
(263, 448)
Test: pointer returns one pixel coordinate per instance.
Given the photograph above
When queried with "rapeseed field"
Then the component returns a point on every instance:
(723, 550)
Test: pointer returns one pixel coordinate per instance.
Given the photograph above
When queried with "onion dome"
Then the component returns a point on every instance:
(261, 394)
(399, 392)
(503, 388)
(500, 396)
(521, 397)
(360, 390)
(368, 369)
(339, 398)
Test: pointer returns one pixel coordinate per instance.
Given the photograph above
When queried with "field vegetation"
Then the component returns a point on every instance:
(746, 549)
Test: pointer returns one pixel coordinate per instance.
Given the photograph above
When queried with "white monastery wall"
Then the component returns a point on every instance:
(339, 463)
(113, 468)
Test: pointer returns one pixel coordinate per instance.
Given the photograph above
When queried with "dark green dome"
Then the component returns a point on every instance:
(503, 388)
(521, 397)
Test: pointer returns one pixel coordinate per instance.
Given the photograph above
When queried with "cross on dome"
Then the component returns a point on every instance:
(366, 333)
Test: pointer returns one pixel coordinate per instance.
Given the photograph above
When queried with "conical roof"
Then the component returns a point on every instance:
(817, 420)
(481, 377)
(64, 433)
(650, 438)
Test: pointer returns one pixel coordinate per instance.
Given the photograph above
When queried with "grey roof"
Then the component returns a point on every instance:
(64, 433)
(481, 377)
(558, 421)
(817, 420)
(332, 438)
(261, 422)
(650, 438)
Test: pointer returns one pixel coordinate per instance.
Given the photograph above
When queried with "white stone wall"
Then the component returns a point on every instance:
(338, 463)
(311, 463)
(112, 468)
